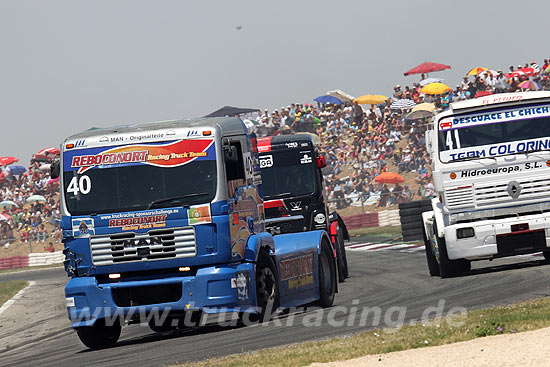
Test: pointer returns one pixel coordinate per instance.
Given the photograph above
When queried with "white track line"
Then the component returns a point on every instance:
(19, 294)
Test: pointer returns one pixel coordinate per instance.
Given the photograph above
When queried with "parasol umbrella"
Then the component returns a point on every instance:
(426, 67)
(419, 115)
(522, 71)
(402, 104)
(328, 99)
(35, 198)
(435, 88)
(47, 153)
(547, 70)
(476, 71)
(342, 96)
(389, 178)
(424, 107)
(427, 81)
(370, 99)
(53, 181)
(483, 93)
(4, 217)
(17, 170)
(4, 161)
(8, 203)
(489, 71)
(45, 167)
(528, 84)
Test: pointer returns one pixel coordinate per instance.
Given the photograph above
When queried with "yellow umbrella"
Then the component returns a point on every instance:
(370, 99)
(476, 71)
(424, 107)
(435, 88)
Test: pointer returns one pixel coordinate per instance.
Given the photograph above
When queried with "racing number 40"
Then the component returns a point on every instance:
(81, 184)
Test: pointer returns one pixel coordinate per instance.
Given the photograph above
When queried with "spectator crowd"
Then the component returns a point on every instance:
(362, 141)
(358, 141)
(29, 202)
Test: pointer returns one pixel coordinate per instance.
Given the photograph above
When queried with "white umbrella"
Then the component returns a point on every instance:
(342, 96)
(45, 167)
(401, 104)
(431, 80)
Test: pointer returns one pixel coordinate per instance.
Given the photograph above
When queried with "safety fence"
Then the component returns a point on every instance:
(383, 218)
(33, 259)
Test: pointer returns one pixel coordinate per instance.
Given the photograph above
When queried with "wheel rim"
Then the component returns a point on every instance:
(325, 275)
(266, 286)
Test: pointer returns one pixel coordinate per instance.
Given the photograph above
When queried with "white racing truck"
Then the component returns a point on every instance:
(491, 172)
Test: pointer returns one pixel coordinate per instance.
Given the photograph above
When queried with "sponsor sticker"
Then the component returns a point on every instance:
(199, 214)
(83, 227)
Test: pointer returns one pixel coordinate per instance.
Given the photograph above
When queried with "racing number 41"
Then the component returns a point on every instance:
(449, 139)
(81, 184)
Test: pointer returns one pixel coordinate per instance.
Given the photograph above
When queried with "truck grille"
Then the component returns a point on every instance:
(489, 195)
(156, 244)
(484, 196)
(460, 197)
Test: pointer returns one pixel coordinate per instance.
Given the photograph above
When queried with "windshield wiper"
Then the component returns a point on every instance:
(279, 196)
(167, 200)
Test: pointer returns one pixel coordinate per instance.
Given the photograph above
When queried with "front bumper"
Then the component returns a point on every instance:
(216, 289)
(497, 238)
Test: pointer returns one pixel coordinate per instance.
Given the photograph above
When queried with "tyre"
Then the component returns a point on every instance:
(449, 268)
(327, 276)
(416, 212)
(341, 259)
(99, 336)
(433, 266)
(416, 204)
(412, 225)
(410, 219)
(267, 287)
(412, 234)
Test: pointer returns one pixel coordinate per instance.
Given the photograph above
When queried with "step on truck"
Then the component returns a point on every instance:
(294, 192)
(163, 223)
(491, 173)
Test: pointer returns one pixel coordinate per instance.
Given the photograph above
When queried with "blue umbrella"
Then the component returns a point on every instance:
(328, 99)
(17, 170)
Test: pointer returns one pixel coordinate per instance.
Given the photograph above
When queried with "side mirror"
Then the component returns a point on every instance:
(230, 154)
(54, 169)
(321, 162)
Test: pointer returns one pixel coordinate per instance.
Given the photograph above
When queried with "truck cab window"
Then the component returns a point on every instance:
(234, 165)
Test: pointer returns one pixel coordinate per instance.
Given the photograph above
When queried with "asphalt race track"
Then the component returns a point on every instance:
(35, 331)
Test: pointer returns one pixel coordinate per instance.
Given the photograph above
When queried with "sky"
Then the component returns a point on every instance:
(70, 65)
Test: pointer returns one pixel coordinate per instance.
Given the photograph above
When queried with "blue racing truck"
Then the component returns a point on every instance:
(166, 221)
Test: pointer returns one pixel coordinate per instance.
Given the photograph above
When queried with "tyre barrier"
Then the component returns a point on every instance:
(34, 259)
(410, 217)
(361, 220)
(389, 218)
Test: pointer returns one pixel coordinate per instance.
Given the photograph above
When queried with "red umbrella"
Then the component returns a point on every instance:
(522, 71)
(389, 178)
(4, 161)
(483, 93)
(426, 67)
(47, 154)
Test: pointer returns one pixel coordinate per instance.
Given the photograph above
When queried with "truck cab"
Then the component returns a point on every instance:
(168, 218)
(294, 191)
(491, 172)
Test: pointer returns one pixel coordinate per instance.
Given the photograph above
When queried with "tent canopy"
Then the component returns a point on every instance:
(231, 111)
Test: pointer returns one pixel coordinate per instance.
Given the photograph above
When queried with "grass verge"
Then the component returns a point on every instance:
(388, 231)
(10, 289)
(524, 316)
(14, 270)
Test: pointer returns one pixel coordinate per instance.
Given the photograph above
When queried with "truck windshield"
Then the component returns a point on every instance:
(494, 133)
(288, 171)
(130, 178)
